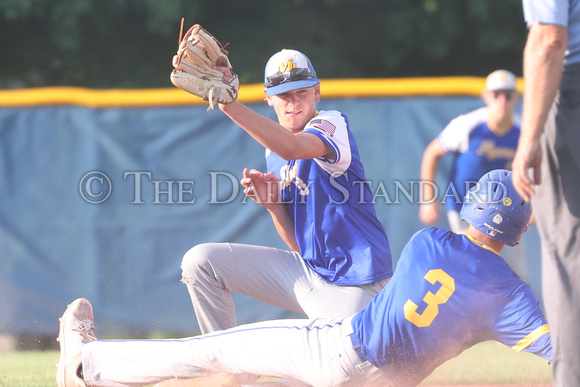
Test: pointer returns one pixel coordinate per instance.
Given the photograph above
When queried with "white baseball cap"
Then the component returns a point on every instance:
(288, 70)
(500, 80)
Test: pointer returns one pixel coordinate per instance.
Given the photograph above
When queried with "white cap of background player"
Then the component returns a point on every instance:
(288, 70)
(500, 80)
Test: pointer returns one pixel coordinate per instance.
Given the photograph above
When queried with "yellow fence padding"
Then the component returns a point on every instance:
(249, 93)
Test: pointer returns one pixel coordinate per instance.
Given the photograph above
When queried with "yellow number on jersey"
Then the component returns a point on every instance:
(432, 300)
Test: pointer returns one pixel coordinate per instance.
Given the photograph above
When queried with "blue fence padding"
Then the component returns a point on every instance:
(103, 203)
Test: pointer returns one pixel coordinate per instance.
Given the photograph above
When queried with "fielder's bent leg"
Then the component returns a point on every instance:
(212, 271)
(211, 299)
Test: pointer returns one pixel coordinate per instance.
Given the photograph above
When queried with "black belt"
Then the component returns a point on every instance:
(357, 347)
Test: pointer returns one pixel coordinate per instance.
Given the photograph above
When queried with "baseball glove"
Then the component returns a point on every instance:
(194, 71)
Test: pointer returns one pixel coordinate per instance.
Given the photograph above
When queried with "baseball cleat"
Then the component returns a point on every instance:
(76, 329)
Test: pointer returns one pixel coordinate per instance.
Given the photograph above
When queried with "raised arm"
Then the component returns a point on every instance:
(272, 135)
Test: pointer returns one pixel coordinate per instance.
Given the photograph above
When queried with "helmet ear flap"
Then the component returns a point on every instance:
(494, 207)
(524, 206)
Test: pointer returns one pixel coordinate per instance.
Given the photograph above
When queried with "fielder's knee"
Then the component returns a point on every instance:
(197, 265)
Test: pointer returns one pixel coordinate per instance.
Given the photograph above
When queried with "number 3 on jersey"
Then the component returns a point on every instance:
(432, 300)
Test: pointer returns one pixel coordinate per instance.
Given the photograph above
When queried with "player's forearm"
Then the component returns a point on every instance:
(427, 183)
(272, 135)
(284, 225)
(543, 64)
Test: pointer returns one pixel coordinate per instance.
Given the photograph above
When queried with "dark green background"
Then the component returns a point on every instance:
(130, 43)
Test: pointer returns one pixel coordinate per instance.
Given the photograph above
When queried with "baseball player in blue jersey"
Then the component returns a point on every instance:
(316, 193)
(482, 140)
(449, 292)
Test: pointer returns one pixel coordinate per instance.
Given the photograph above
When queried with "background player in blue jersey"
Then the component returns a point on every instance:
(316, 193)
(449, 292)
(482, 140)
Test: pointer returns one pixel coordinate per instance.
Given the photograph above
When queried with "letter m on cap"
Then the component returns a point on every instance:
(285, 67)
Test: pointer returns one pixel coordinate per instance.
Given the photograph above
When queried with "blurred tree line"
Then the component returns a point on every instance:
(130, 43)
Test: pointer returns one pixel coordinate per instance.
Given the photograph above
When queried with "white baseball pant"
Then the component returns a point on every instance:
(317, 352)
(277, 277)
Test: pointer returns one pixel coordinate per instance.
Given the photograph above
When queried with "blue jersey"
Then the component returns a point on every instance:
(335, 223)
(478, 150)
(448, 293)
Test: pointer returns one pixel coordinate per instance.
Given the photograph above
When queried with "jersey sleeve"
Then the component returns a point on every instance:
(546, 11)
(522, 326)
(332, 128)
(455, 136)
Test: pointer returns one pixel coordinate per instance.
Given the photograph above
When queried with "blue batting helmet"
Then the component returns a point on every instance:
(494, 207)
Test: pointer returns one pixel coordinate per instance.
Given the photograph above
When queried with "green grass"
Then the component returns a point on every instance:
(486, 363)
(28, 368)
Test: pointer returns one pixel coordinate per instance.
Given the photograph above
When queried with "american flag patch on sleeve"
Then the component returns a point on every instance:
(323, 125)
